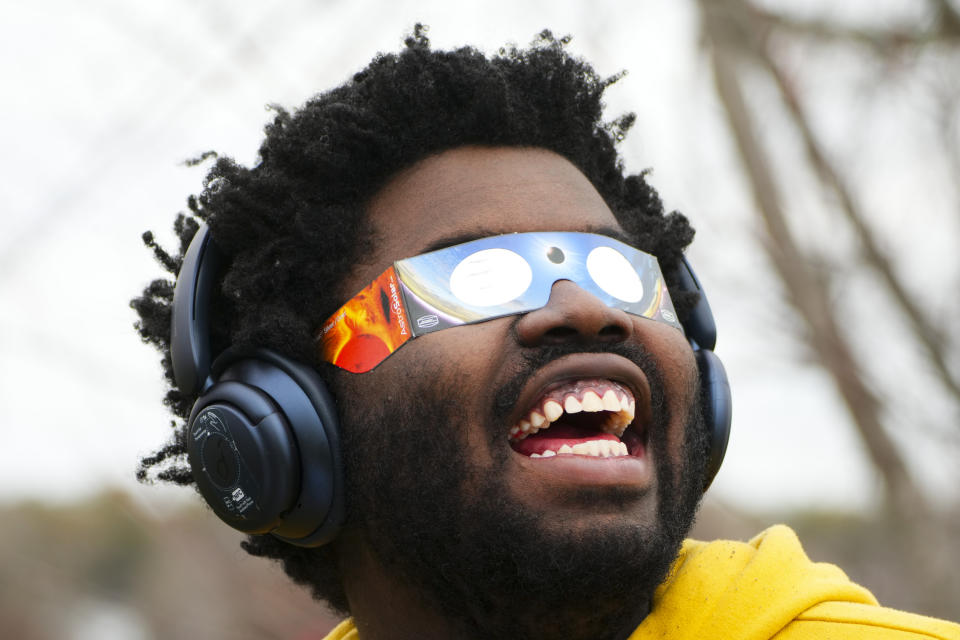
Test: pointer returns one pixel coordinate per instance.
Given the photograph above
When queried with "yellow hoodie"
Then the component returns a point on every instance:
(761, 590)
(768, 588)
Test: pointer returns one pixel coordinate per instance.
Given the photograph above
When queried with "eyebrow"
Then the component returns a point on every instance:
(476, 234)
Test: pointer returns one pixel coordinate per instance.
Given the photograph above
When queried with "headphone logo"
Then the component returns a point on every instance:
(218, 451)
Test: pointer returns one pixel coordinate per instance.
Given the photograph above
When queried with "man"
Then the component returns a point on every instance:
(526, 466)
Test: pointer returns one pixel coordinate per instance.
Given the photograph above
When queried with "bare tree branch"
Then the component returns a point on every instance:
(930, 337)
(949, 17)
(808, 297)
(944, 27)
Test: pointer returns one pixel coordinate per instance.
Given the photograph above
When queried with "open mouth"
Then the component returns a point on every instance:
(592, 417)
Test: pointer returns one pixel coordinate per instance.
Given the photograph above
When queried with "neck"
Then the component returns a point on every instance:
(384, 607)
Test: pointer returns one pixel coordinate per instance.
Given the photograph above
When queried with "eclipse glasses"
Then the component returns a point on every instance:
(486, 279)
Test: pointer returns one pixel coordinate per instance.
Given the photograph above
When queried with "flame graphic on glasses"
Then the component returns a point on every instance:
(368, 328)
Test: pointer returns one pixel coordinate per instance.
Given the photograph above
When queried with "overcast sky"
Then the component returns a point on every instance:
(102, 105)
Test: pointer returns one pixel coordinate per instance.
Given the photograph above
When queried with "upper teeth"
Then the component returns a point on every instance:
(619, 404)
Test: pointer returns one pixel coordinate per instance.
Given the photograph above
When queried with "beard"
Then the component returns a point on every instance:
(493, 566)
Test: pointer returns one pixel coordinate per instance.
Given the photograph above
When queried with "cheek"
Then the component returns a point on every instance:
(467, 361)
(682, 411)
(475, 351)
(464, 360)
(679, 370)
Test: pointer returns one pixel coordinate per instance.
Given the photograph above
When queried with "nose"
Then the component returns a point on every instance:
(573, 314)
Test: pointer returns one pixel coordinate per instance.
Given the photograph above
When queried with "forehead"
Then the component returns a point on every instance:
(474, 191)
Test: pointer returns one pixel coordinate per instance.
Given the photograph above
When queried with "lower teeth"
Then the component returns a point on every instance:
(594, 448)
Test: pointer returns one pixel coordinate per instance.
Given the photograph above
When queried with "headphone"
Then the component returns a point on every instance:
(262, 439)
(715, 399)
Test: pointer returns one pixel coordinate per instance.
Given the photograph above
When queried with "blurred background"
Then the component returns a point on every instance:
(815, 146)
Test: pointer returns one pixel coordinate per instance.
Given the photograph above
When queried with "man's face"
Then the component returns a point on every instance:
(446, 479)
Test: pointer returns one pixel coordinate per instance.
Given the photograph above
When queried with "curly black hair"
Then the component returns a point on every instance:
(297, 218)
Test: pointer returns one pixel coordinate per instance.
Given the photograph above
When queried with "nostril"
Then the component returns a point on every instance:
(613, 332)
(562, 334)
(559, 335)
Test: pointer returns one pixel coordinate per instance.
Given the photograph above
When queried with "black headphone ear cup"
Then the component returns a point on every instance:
(243, 457)
(717, 408)
(263, 445)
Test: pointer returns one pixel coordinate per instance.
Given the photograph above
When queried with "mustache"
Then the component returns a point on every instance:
(534, 359)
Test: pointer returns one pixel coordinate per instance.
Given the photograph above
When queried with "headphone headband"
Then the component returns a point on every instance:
(190, 326)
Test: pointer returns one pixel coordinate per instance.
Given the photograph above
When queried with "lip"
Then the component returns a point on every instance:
(633, 471)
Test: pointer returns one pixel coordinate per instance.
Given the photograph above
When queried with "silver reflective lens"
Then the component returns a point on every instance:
(613, 273)
(491, 277)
